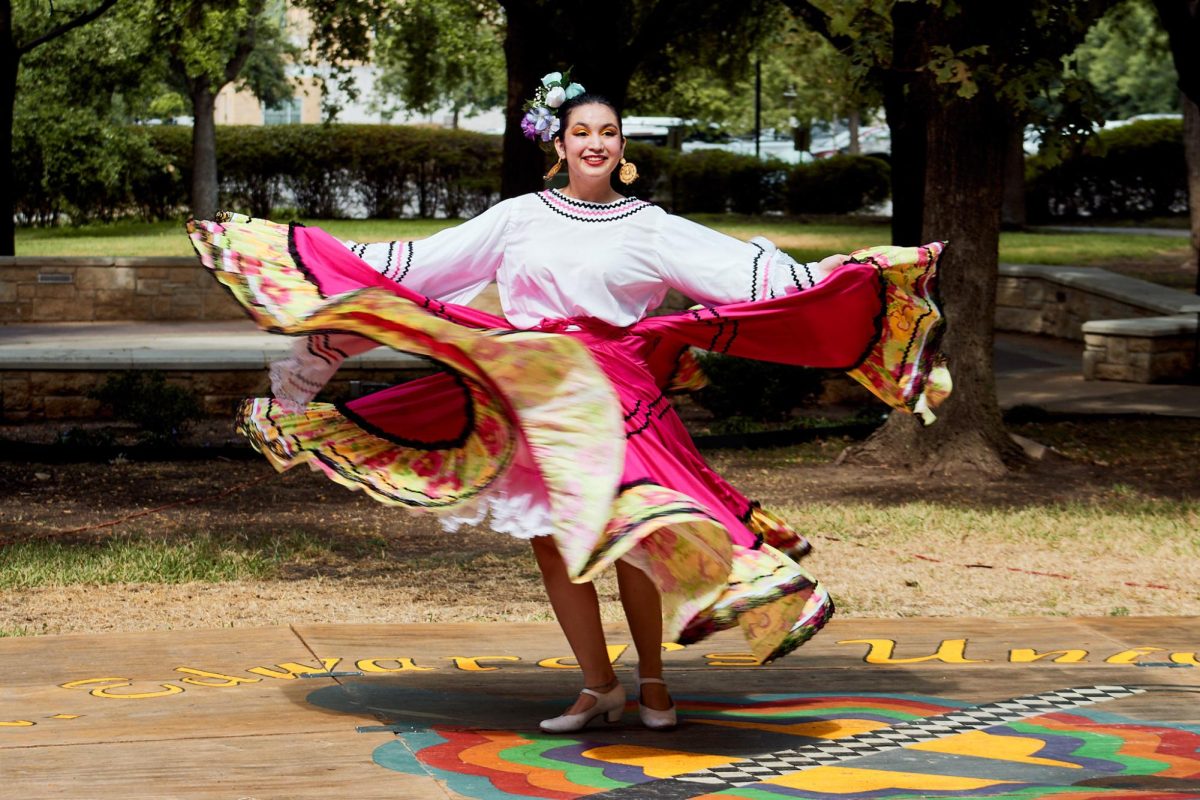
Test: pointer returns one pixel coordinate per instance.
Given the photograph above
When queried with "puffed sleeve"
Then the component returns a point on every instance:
(452, 265)
(711, 267)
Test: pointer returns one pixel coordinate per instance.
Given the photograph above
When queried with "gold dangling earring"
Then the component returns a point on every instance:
(553, 170)
(628, 173)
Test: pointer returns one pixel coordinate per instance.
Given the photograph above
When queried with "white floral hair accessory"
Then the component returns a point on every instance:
(540, 122)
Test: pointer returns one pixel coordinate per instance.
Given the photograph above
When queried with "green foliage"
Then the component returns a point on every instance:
(163, 411)
(838, 185)
(714, 181)
(435, 53)
(1127, 58)
(654, 165)
(321, 171)
(1135, 171)
(73, 152)
(741, 390)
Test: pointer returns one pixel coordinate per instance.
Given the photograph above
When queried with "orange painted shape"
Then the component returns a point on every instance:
(847, 780)
(657, 762)
(981, 744)
(487, 756)
(822, 729)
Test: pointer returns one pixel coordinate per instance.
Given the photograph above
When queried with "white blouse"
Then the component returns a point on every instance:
(554, 257)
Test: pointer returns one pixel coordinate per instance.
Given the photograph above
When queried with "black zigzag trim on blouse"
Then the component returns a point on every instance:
(796, 278)
(616, 216)
(571, 201)
(408, 257)
(754, 271)
(319, 345)
(391, 254)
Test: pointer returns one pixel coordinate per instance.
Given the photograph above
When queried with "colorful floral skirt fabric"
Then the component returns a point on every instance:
(567, 431)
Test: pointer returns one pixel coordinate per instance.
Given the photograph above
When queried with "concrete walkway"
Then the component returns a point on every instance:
(948, 708)
(1030, 370)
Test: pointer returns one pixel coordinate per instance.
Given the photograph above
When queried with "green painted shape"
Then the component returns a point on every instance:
(531, 755)
(1099, 746)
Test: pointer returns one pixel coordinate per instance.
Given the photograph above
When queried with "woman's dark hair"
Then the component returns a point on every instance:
(587, 98)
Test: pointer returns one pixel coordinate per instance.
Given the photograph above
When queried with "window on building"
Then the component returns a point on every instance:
(286, 113)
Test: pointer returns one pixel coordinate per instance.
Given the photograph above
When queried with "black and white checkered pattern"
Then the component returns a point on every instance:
(784, 762)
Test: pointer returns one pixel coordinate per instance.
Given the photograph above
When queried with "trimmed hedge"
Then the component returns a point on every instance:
(389, 171)
(1135, 171)
(340, 170)
(716, 181)
(838, 185)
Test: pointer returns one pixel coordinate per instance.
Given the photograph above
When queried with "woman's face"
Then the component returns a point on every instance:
(591, 141)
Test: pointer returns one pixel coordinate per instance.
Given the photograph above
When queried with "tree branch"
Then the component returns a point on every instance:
(70, 24)
(818, 20)
(245, 44)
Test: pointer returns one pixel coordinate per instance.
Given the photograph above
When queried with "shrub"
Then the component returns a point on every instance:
(755, 390)
(838, 185)
(654, 165)
(163, 412)
(1135, 171)
(716, 181)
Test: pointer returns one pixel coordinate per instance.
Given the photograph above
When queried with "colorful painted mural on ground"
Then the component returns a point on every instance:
(825, 746)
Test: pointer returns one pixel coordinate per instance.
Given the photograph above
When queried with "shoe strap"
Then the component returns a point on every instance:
(642, 680)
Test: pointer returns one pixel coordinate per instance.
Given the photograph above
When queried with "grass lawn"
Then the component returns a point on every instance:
(807, 241)
(1100, 529)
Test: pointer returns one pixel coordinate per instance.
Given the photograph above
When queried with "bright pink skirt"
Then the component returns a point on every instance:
(567, 430)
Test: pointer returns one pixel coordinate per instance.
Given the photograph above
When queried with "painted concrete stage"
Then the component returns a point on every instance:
(900, 708)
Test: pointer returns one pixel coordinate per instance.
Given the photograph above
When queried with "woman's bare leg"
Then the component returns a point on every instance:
(643, 611)
(578, 611)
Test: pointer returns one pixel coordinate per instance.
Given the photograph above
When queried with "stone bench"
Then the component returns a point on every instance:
(1143, 350)
(1133, 330)
(49, 372)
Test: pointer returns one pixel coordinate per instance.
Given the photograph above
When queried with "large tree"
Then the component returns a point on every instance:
(24, 27)
(959, 79)
(1181, 18)
(208, 45)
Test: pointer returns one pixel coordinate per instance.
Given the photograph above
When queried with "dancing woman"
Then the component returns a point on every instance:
(552, 423)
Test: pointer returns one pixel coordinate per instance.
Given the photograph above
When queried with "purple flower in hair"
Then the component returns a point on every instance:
(529, 125)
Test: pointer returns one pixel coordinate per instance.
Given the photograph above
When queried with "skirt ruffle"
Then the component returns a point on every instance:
(538, 429)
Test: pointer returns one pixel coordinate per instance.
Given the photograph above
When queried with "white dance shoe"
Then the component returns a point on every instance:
(653, 718)
(610, 705)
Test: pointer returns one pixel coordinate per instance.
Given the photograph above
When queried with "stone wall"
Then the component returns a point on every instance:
(1151, 350)
(27, 395)
(37, 289)
(1057, 301)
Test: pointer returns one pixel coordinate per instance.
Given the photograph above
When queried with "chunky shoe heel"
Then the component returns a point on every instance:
(610, 705)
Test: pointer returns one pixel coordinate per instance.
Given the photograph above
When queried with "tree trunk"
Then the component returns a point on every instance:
(855, 146)
(967, 147)
(204, 152)
(8, 181)
(524, 162)
(1012, 213)
(905, 103)
(1191, 150)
